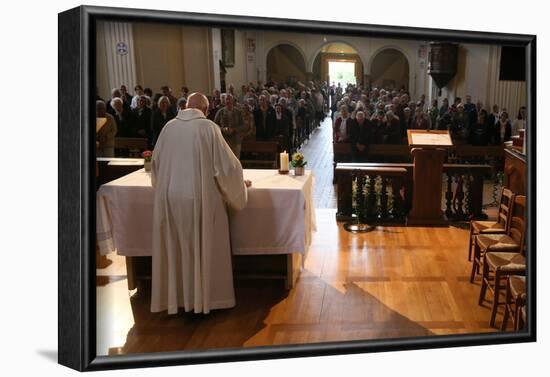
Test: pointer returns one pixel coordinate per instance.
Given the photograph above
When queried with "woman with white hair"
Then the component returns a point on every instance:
(161, 115)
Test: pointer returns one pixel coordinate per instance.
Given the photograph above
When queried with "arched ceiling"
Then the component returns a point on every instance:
(338, 48)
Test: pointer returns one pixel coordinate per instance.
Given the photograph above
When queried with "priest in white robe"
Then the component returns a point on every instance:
(195, 176)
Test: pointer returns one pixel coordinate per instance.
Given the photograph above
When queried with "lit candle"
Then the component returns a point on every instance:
(283, 161)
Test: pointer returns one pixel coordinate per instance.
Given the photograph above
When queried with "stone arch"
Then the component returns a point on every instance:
(398, 53)
(357, 56)
(284, 60)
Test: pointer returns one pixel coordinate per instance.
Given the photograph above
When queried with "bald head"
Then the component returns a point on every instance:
(197, 101)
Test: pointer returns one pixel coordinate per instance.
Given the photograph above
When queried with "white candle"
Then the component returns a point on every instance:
(283, 161)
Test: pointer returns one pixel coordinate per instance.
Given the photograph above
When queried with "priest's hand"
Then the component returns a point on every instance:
(247, 182)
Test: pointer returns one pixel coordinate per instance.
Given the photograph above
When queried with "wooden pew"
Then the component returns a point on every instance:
(260, 154)
(134, 145)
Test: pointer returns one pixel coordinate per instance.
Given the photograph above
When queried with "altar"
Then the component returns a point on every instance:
(278, 220)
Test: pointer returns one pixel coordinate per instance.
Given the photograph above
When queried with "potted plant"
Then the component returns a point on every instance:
(147, 155)
(298, 163)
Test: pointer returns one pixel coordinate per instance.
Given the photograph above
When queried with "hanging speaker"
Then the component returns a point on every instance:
(443, 60)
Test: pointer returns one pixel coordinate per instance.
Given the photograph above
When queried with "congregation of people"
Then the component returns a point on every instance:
(381, 116)
(284, 113)
(289, 114)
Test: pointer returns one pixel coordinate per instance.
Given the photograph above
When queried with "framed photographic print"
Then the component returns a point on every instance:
(249, 190)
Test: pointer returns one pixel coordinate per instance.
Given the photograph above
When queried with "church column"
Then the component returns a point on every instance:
(261, 64)
(216, 54)
(251, 65)
(118, 41)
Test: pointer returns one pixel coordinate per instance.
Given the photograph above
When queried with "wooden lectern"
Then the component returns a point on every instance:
(428, 152)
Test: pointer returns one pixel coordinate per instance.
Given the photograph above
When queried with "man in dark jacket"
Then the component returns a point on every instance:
(264, 119)
(361, 136)
(142, 120)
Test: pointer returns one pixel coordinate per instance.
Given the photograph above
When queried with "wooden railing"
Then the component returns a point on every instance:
(463, 191)
(371, 193)
(398, 153)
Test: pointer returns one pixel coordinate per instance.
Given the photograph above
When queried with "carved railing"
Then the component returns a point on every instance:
(381, 193)
(372, 193)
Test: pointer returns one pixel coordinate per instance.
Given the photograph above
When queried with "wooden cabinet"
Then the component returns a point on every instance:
(515, 172)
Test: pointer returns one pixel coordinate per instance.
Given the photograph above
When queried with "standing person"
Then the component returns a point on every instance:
(167, 92)
(460, 130)
(162, 113)
(502, 131)
(107, 133)
(479, 131)
(123, 118)
(360, 137)
(420, 121)
(341, 126)
(444, 109)
(283, 123)
(230, 120)
(470, 110)
(126, 97)
(433, 112)
(138, 89)
(393, 128)
(142, 120)
(195, 176)
(215, 104)
(492, 119)
(520, 122)
(264, 119)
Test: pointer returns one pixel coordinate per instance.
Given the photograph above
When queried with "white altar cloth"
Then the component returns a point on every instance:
(279, 217)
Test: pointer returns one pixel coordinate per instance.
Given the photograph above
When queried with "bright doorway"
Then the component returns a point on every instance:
(342, 72)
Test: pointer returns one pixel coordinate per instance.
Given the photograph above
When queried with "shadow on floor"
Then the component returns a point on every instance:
(350, 315)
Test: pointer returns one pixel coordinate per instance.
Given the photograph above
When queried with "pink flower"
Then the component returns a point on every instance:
(147, 154)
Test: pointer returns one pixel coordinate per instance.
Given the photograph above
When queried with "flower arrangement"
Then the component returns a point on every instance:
(298, 160)
(147, 155)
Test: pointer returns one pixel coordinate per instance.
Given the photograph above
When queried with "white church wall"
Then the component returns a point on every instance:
(478, 76)
(159, 56)
(196, 59)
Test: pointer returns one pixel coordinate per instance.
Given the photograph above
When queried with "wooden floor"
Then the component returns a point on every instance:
(389, 283)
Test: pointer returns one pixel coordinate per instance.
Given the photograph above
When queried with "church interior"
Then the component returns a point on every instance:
(388, 185)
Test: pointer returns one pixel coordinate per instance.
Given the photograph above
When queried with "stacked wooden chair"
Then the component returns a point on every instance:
(492, 227)
(515, 302)
(501, 255)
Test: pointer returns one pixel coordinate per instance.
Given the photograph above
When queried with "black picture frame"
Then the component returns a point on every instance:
(76, 189)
